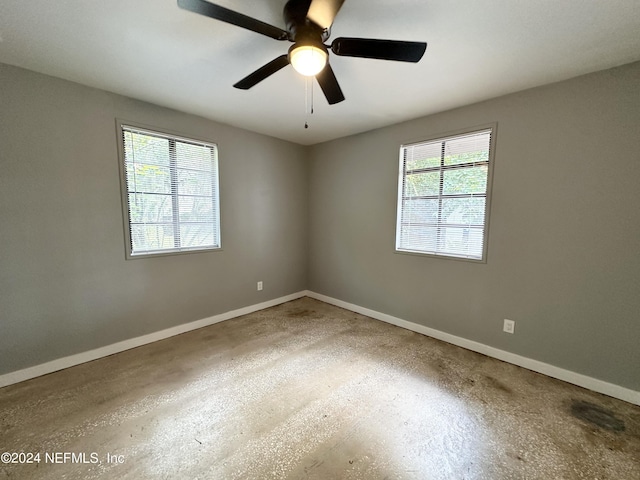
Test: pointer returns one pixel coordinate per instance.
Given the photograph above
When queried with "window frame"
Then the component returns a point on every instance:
(442, 137)
(121, 125)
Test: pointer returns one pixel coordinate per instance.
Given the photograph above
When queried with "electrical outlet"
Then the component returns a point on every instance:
(509, 326)
(259, 286)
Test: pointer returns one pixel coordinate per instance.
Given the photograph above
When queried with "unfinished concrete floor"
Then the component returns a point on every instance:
(306, 390)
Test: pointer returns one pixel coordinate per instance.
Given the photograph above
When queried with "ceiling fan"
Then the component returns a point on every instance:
(308, 26)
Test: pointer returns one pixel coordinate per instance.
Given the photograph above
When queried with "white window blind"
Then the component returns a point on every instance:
(172, 201)
(443, 196)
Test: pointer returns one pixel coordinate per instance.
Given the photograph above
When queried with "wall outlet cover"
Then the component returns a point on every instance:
(509, 326)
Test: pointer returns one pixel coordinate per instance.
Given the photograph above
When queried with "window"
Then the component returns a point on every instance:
(443, 196)
(170, 192)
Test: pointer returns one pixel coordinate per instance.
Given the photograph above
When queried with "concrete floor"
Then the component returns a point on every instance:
(306, 390)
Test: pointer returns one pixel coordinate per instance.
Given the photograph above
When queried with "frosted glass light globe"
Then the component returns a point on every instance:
(308, 60)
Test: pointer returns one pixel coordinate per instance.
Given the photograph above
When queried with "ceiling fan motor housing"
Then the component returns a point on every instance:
(300, 28)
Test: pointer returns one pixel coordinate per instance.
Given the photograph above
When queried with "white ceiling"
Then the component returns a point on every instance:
(154, 51)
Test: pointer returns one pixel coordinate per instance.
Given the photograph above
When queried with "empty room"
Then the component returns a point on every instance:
(320, 239)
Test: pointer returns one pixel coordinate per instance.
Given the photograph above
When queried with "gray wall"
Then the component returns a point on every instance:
(65, 286)
(564, 240)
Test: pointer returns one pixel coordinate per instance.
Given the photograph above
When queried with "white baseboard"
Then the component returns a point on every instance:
(584, 381)
(72, 360)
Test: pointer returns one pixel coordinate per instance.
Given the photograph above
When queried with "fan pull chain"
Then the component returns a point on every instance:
(306, 102)
(308, 99)
(311, 80)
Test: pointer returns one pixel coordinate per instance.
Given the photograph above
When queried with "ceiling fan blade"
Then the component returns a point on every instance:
(323, 12)
(380, 49)
(329, 85)
(263, 72)
(234, 18)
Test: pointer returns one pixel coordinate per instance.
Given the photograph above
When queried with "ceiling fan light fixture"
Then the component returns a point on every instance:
(308, 60)
(308, 25)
